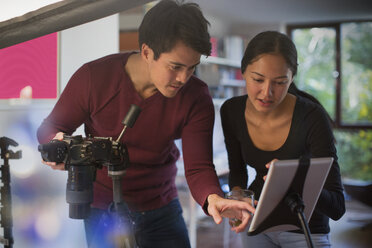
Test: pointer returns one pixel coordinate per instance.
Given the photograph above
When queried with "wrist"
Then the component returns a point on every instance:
(212, 198)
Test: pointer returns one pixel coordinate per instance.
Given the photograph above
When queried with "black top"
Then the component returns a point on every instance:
(310, 135)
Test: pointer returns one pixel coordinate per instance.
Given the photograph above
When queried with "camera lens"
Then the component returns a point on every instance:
(79, 190)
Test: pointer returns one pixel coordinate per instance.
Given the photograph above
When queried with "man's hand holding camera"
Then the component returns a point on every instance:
(54, 165)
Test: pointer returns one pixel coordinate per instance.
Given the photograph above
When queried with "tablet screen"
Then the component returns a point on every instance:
(277, 185)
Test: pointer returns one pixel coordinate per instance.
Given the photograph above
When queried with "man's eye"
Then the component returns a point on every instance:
(175, 67)
(282, 82)
(192, 68)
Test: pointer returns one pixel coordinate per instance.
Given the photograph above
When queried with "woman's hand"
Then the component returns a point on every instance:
(268, 166)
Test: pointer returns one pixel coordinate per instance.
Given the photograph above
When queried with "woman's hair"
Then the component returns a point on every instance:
(273, 42)
(270, 42)
(169, 22)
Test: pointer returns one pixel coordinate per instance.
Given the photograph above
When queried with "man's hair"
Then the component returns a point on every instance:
(169, 22)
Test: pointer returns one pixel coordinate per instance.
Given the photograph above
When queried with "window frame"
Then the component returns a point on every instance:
(337, 122)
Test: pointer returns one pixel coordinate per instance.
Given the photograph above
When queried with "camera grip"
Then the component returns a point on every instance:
(54, 151)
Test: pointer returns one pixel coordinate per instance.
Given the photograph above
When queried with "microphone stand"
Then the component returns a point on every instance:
(6, 199)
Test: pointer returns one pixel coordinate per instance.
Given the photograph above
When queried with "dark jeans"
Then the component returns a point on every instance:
(163, 227)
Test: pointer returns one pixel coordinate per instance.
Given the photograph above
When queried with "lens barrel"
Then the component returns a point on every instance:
(79, 190)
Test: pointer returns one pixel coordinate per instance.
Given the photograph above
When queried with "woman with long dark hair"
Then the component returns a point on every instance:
(275, 120)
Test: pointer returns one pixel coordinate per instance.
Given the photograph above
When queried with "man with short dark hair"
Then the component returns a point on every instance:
(175, 105)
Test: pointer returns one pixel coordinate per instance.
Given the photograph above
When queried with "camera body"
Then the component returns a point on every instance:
(76, 150)
(82, 156)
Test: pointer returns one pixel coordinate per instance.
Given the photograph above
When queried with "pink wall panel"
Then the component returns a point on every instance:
(29, 69)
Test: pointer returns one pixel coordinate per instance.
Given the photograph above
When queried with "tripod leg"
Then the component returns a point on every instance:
(6, 200)
(123, 222)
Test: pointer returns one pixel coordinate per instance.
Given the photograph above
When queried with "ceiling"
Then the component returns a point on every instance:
(287, 11)
(57, 16)
(13, 8)
(234, 14)
(248, 17)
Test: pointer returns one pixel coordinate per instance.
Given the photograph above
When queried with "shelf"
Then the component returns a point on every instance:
(220, 61)
(232, 82)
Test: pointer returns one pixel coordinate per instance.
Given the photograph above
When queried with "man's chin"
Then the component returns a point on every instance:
(170, 94)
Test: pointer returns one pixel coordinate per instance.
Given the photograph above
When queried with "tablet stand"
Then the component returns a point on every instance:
(291, 203)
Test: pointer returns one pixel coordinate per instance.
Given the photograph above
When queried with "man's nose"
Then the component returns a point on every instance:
(183, 76)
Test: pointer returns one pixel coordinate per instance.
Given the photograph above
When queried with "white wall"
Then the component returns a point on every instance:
(87, 42)
(38, 192)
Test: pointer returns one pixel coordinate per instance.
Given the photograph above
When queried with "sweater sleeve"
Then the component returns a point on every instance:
(197, 150)
(71, 109)
(321, 141)
(238, 175)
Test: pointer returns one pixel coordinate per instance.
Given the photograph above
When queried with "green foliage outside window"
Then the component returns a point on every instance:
(356, 63)
(316, 64)
(354, 150)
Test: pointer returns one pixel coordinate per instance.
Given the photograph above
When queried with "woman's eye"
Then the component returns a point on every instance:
(258, 80)
(281, 82)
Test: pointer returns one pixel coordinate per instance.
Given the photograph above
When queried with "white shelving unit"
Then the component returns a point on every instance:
(219, 61)
(210, 71)
(220, 73)
(232, 82)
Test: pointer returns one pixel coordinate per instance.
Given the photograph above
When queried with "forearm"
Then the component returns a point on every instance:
(203, 183)
(331, 204)
(48, 130)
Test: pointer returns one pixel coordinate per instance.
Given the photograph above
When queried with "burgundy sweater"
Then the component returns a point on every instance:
(99, 95)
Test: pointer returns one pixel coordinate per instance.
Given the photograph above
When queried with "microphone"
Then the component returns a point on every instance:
(130, 118)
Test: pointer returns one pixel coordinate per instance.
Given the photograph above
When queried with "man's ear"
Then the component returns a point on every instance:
(146, 52)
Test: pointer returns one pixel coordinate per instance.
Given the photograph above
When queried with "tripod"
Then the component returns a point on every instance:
(6, 199)
(123, 223)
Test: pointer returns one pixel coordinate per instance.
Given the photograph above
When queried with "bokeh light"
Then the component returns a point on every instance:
(26, 166)
(48, 224)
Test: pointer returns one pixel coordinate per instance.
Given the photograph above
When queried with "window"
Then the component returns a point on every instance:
(317, 64)
(335, 66)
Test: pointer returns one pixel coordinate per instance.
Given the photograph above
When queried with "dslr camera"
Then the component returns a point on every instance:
(82, 156)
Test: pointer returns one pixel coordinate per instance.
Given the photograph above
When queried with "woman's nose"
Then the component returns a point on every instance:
(267, 89)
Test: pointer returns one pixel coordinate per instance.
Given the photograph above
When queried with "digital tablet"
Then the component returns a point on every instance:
(272, 214)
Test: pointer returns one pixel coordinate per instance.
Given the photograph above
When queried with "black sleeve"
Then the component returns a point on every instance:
(238, 175)
(322, 144)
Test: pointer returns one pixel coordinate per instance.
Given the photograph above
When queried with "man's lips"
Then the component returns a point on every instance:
(177, 86)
